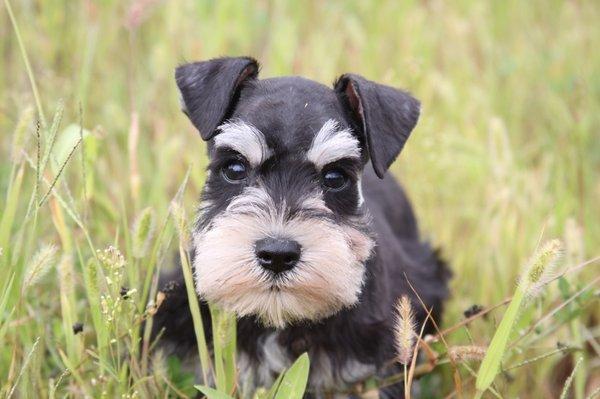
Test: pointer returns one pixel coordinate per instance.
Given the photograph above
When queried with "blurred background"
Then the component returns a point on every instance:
(506, 153)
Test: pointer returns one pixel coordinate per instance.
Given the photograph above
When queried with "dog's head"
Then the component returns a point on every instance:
(282, 233)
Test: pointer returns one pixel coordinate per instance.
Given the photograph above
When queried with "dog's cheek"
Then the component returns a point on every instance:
(224, 272)
(360, 243)
(330, 275)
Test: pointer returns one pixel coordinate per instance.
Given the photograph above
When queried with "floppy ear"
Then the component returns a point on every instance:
(209, 89)
(386, 116)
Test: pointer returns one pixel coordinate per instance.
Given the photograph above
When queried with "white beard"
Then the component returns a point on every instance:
(328, 277)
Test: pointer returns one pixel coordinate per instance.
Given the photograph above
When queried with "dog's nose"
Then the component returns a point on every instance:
(276, 254)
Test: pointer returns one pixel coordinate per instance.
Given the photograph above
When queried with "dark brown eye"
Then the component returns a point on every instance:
(335, 179)
(234, 171)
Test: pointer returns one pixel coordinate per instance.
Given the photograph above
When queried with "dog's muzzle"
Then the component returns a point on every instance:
(258, 258)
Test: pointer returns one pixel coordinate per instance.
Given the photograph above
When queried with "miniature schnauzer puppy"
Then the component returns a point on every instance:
(300, 233)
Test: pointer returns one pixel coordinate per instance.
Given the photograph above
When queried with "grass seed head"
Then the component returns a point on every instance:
(540, 267)
(40, 265)
(405, 330)
(466, 353)
(19, 137)
(143, 231)
(179, 219)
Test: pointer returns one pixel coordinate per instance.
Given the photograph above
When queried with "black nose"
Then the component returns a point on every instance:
(276, 254)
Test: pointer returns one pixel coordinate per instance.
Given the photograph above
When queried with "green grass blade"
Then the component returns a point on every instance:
(275, 387)
(294, 381)
(224, 344)
(34, 88)
(490, 366)
(196, 315)
(8, 213)
(90, 279)
(68, 306)
(6, 315)
(24, 367)
(212, 393)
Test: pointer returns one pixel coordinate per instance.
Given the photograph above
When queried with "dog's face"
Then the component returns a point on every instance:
(283, 233)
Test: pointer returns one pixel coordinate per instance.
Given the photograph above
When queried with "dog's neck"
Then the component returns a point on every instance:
(338, 360)
(344, 349)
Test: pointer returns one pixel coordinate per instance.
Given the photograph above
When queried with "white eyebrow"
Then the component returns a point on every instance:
(245, 139)
(331, 144)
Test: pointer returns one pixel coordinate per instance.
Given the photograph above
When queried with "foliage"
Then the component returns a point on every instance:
(97, 166)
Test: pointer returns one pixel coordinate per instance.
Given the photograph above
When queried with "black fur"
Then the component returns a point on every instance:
(290, 111)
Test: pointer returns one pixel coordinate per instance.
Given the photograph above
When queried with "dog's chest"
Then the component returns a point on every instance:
(325, 375)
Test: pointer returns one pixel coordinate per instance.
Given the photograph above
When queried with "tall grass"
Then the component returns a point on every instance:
(94, 152)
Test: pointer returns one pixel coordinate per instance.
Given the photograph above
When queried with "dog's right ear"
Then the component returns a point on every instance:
(209, 89)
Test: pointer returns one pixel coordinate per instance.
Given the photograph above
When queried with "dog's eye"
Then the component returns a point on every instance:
(234, 171)
(335, 179)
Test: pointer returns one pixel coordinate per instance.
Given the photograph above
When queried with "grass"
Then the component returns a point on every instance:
(506, 156)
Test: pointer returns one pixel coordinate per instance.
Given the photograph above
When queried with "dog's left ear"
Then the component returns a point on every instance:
(386, 116)
(209, 89)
